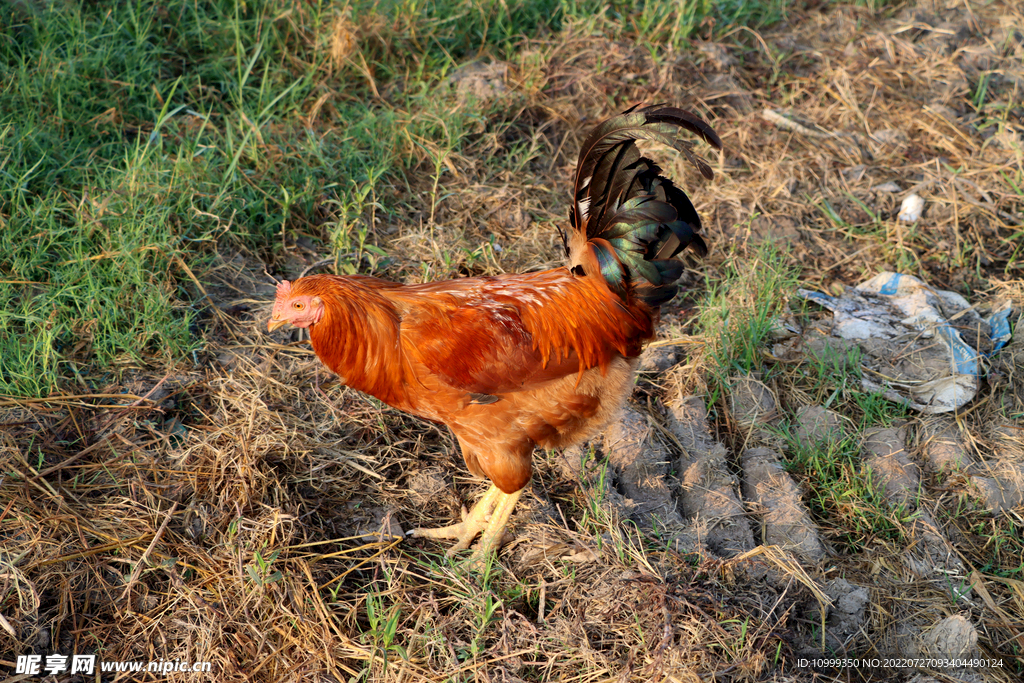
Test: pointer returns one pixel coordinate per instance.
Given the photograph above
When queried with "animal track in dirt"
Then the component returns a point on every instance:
(670, 470)
(775, 498)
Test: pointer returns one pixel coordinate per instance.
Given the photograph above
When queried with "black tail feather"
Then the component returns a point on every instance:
(631, 221)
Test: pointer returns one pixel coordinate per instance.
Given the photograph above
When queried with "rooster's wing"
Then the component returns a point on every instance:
(496, 335)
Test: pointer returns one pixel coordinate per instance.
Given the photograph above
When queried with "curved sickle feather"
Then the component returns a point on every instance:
(635, 221)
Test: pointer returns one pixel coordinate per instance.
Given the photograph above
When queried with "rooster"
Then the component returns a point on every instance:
(512, 362)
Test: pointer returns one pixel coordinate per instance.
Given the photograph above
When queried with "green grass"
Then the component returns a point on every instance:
(745, 301)
(442, 33)
(144, 143)
(841, 496)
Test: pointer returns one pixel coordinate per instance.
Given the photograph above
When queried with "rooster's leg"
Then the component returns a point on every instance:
(492, 536)
(488, 516)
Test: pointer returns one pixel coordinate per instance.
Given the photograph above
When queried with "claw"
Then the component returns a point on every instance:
(488, 517)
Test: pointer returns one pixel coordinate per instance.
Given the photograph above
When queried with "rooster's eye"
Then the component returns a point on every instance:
(297, 305)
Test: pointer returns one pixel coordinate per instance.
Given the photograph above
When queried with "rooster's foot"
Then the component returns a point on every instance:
(488, 517)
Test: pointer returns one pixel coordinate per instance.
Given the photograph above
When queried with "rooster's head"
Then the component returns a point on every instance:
(294, 307)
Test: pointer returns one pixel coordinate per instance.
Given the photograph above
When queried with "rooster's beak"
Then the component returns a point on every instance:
(275, 323)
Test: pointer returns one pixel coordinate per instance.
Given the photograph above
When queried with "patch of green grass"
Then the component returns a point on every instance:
(878, 411)
(840, 494)
(830, 374)
(744, 302)
(102, 292)
(442, 33)
(110, 179)
(414, 37)
(383, 616)
(673, 23)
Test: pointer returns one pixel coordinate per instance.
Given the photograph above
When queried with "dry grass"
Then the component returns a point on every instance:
(253, 540)
(240, 511)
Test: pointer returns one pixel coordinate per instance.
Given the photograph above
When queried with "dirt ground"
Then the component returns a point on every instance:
(248, 510)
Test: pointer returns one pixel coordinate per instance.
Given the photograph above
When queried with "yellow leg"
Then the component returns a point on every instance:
(492, 536)
(489, 516)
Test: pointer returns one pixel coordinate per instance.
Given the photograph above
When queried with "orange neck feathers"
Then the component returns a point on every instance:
(358, 338)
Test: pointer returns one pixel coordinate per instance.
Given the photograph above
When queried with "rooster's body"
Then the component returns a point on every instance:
(516, 361)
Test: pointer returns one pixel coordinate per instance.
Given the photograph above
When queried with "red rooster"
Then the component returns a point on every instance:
(516, 361)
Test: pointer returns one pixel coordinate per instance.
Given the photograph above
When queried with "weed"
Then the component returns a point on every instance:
(383, 623)
(260, 571)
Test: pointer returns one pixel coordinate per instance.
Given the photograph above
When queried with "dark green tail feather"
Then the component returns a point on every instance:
(635, 220)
